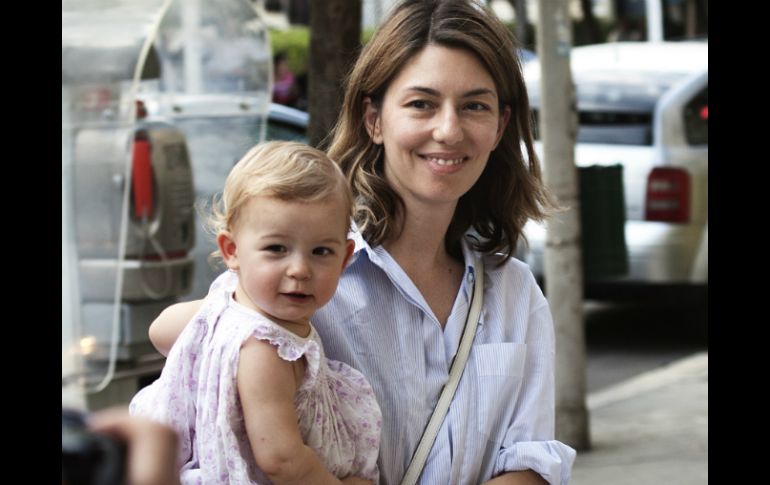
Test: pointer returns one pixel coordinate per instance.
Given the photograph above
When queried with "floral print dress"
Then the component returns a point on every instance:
(197, 394)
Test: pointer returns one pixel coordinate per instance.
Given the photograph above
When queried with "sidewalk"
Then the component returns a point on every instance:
(651, 429)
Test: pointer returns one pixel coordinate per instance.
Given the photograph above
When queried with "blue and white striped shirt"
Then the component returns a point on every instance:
(502, 416)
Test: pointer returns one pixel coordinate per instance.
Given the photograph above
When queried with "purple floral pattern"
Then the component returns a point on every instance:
(197, 394)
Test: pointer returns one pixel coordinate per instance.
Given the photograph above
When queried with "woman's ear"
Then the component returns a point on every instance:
(505, 117)
(372, 120)
(226, 244)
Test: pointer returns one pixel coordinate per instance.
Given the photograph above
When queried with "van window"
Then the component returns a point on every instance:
(622, 128)
(611, 127)
(696, 119)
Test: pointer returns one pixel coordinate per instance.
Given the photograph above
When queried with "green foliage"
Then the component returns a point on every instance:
(366, 35)
(293, 42)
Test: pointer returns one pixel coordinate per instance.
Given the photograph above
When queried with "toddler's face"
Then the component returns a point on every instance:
(289, 256)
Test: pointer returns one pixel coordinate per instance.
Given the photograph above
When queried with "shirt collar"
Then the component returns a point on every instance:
(374, 256)
(358, 239)
(467, 251)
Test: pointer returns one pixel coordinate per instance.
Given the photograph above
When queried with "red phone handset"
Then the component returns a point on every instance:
(141, 176)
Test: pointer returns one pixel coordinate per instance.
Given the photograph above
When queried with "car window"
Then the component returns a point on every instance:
(278, 130)
(624, 128)
(612, 127)
(615, 107)
(696, 119)
(627, 90)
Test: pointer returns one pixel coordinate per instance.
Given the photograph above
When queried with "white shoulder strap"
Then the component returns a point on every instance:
(455, 372)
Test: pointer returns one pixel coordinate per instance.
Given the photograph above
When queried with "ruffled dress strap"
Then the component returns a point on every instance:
(290, 346)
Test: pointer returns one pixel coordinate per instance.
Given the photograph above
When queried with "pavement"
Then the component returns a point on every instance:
(650, 429)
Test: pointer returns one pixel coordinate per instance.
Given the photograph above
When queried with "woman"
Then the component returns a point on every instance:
(430, 137)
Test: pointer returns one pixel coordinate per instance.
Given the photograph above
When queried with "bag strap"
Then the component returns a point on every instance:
(414, 470)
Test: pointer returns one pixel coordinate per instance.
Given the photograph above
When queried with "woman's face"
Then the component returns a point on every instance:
(438, 122)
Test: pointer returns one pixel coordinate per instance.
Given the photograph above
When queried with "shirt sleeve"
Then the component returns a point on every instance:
(529, 441)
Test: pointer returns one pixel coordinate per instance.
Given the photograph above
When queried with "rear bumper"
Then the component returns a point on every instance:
(659, 253)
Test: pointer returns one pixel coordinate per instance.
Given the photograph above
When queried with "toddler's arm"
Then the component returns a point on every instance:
(165, 329)
(266, 386)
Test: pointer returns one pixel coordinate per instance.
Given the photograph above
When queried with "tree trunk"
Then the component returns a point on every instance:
(522, 21)
(335, 33)
(593, 35)
(563, 264)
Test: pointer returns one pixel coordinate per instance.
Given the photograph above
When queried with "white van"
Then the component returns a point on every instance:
(644, 106)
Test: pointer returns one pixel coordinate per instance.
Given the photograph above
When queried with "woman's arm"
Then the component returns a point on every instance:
(152, 447)
(165, 329)
(527, 477)
(266, 387)
(530, 437)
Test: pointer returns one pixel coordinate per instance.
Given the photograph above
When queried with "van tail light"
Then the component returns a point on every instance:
(141, 177)
(668, 195)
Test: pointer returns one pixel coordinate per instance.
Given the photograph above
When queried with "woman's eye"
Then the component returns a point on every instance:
(419, 104)
(323, 251)
(477, 107)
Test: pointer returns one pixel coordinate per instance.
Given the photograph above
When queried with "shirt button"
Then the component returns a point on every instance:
(471, 278)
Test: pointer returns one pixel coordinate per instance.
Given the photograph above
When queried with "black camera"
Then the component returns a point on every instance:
(89, 458)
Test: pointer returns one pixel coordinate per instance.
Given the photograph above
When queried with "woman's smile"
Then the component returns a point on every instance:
(438, 122)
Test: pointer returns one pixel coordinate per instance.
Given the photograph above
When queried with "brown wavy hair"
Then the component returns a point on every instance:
(509, 191)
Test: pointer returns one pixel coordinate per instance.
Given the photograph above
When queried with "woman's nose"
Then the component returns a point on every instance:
(448, 130)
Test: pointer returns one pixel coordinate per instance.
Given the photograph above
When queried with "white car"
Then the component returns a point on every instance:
(644, 106)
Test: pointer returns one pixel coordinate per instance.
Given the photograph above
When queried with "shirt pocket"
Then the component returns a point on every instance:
(499, 371)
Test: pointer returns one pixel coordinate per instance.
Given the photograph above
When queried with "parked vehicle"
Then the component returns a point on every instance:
(644, 106)
(286, 123)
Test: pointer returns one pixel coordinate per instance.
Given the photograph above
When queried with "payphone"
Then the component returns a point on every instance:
(159, 99)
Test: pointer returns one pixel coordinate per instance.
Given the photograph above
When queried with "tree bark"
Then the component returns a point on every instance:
(522, 21)
(563, 263)
(335, 39)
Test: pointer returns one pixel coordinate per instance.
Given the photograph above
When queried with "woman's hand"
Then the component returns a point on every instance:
(151, 446)
(525, 477)
(356, 481)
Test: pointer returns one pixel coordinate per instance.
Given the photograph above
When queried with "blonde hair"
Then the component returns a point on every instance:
(286, 170)
(509, 191)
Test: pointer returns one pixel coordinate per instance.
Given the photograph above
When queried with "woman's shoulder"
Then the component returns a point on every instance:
(500, 266)
(514, 278)
(496, 265)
